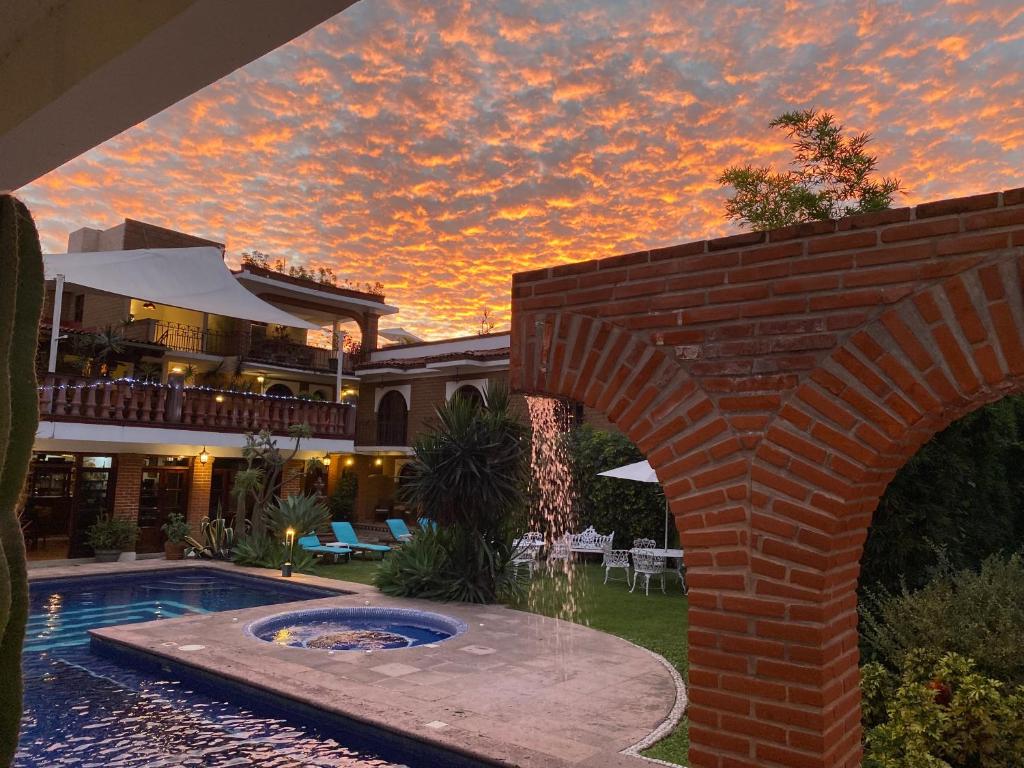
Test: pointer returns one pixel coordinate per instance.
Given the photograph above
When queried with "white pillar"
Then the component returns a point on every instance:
(339, 340)
(58, 299)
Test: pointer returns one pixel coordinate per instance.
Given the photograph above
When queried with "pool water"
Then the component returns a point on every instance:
(84, 709)
(356, 629)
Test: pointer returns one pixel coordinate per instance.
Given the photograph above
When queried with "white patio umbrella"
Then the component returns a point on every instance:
(640, 472)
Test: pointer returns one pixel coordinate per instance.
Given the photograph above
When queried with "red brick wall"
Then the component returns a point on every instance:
(777, 381)
(128, 485)
(293, 478)
(199, 493)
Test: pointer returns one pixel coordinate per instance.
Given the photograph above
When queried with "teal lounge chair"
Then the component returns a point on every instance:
(346, 534)
(426, 522)
(313, 544)
(399, 529)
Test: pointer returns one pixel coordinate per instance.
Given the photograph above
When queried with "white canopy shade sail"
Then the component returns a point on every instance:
(188, 278)
(641, 472)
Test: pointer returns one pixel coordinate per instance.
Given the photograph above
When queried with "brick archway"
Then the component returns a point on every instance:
(777, 381)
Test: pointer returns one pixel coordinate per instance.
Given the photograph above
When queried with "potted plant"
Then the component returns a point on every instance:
(176, 530)
(109, 537)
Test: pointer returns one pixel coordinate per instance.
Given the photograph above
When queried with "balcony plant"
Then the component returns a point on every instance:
(110, 536)
(176, 529)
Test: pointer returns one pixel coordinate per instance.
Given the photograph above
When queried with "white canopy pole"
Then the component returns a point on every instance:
(58, 299)
(339, 339)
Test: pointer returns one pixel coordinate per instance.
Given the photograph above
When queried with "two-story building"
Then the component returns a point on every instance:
(164, 358)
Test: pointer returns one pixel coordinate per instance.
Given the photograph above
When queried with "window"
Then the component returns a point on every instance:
(392, 419)
(470, 393)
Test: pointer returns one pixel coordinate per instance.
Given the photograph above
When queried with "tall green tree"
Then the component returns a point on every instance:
(21, 301)
(833, 175)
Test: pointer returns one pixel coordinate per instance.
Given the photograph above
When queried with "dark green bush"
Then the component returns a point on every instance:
(262, 551)
(342, 502)
(632, 510)
(941, 714)
(979, 614)
(963, 491)
(428, 567)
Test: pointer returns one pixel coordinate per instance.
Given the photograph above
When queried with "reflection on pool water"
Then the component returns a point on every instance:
(83, 709)
(356, 629)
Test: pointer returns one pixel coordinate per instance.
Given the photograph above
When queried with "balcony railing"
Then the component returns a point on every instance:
(125, 403)
(190, 338)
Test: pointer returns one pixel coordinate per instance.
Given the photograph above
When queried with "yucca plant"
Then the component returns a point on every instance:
(21, 301)
(469, 474)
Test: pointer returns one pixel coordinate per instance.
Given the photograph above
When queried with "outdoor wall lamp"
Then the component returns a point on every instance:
(289, 540)
(259, 379)
(378, 462)
(349, 461)
(204, 456)
(148, 305)
(326, 460)
(219, 398)
(177, 369)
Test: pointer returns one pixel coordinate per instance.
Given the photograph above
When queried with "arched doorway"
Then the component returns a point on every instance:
(392, 419)
(776, 382)
(470, 394)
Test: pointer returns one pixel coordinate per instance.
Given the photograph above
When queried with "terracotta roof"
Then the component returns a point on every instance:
(419, 362)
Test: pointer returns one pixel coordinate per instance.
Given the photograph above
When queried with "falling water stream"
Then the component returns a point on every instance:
(553, 512)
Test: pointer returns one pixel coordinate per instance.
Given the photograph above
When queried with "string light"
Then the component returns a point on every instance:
(192, 388)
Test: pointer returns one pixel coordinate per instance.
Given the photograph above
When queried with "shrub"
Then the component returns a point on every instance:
(342, 501)
(427, 566)
(979, 614)
(263, 551)
(633, 510)
(110, 533)
(176, 529)
(943, 714)
(302, 513)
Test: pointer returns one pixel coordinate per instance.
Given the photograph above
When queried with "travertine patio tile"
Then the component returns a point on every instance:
(521, 689)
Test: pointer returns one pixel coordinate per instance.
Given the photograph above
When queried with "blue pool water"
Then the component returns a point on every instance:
(84, 709)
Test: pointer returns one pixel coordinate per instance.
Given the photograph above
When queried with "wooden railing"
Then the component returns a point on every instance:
(127, 403)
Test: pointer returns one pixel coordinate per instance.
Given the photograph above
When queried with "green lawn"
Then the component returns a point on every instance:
(657, 622)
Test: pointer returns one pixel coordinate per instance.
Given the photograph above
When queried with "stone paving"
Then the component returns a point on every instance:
(516, 689)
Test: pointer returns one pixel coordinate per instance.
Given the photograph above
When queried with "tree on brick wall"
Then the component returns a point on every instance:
(832, 178)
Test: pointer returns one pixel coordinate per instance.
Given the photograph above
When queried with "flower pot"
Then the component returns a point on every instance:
(174, 550)
(107, 555)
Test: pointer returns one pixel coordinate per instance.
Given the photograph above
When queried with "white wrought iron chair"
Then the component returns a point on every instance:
(534, 537)
(524, 554)
(647, 565)
(590, 541)
(561, 550)
(644, 544)
(615, 558)
(681, 573)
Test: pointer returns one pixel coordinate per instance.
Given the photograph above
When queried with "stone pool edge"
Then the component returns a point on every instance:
(476, 746)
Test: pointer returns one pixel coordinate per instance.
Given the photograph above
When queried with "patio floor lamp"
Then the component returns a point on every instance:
(289, 540)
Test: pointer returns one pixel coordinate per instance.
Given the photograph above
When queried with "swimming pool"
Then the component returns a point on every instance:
(86, 709)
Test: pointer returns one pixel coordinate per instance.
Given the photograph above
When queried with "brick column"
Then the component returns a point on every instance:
(199, 494)
(293, 478)
(128, 485)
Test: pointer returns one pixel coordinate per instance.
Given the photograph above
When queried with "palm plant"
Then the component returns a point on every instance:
(469, 474)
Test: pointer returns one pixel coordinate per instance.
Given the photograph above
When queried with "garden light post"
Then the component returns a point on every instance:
(289, 539)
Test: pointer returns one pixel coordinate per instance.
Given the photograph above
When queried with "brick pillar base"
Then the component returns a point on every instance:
(293, 479)
(199, 494)
(128, 486)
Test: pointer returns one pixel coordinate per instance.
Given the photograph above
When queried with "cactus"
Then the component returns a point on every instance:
(21, 301)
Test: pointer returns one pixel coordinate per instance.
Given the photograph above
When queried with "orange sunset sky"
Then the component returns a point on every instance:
(441, 146)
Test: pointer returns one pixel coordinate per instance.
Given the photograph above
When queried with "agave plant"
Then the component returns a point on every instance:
(218, 538)
(303, 514)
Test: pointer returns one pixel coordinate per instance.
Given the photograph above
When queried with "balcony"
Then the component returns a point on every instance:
(189, 338)
(123, 403)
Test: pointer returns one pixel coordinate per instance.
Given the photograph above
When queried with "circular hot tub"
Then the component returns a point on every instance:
(356, 629)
